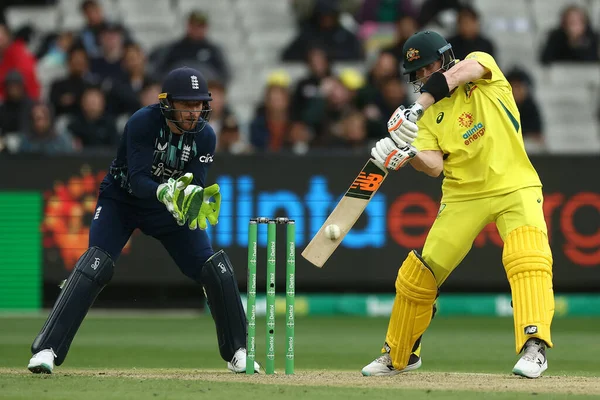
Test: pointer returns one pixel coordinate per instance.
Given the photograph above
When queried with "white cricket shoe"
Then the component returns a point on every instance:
(42, 362)
(533, 362)
(382, 366)
(238, 362)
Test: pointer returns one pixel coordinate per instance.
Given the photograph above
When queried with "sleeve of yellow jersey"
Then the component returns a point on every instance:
(425, 140)
(488, 62)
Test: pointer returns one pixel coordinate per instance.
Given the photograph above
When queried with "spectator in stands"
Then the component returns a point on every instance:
(229, 138)
(108, 66)
(271, 124)
(469, 38)
(573, 40)
(124, 96)
(393, 93)
(89, 37)
(93, 128)
(224, 122)
(56, 50)
(353, 134)
(14, 55)
(134, 64)
(430, 9)
(354, 81)
(14, 110)
(149, 94)
(220, 109)
(195, 50)
(304, 9)
(42, 135)
(406, 26)
(531, 120)
(385, 67)
(326, 31)
(65, 94)
(382, 11)
(319, 67)
(326, 113)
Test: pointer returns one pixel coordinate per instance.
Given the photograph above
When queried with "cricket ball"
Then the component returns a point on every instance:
(333, 232)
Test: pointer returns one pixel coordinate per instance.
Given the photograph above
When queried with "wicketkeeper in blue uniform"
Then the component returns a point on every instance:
(157, 183)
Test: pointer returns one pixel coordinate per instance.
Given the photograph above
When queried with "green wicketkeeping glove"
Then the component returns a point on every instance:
(172, 193)
(198, 208)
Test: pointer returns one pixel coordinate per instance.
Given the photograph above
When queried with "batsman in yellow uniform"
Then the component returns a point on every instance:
(465, 123)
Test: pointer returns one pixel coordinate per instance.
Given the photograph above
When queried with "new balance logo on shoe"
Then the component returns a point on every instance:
(531, 329)
(540, 362)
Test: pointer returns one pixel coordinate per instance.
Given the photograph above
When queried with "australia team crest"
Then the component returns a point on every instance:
(412, 54)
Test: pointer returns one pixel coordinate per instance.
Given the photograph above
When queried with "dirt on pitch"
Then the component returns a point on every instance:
(414, 380)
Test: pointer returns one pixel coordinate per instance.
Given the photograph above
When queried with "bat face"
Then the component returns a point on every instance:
(346, 213)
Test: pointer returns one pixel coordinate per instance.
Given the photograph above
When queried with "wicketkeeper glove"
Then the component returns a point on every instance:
(198, 208)
(171, 194)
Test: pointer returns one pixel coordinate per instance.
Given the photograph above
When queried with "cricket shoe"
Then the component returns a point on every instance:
(533, 362)
(238, 362)
(42, 362)
(382, 366)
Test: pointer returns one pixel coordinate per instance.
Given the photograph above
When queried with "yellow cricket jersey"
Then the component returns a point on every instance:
(479, 131)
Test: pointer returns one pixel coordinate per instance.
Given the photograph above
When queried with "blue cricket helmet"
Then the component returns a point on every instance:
(185, 84)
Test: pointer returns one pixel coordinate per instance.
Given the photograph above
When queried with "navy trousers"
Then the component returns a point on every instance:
(117, 216)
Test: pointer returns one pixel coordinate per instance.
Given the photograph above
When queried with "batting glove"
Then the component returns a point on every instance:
(390, 156)
(402, 125)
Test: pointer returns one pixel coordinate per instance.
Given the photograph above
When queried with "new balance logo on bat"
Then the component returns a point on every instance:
(368, 182)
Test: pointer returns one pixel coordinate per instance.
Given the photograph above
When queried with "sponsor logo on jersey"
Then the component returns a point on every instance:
(465, 120)
(206, 159)
(474, 131)
(471, 135)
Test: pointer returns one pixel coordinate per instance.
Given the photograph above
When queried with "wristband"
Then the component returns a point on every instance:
(437, 86)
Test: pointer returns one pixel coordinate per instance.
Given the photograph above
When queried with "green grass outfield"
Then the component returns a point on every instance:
(118, 356)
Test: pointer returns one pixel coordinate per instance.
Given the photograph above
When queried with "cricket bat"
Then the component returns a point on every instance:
(346, 212)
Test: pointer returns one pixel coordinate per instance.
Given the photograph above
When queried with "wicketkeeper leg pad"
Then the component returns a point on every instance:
(223, 297)
(416, 291)
(528, 263)
(93, 271)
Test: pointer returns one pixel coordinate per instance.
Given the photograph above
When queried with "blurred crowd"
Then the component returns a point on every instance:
(109, 76)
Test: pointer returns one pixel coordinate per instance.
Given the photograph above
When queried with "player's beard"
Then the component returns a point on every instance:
(187, 122)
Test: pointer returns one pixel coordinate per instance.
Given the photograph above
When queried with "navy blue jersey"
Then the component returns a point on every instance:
(149, 154)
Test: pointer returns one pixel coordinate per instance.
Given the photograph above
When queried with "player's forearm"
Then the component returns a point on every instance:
(463, 72)
(429, 162)
(142, 186)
